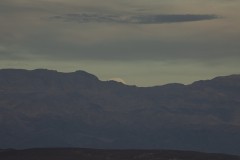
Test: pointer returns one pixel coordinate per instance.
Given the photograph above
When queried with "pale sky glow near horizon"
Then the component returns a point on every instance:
(143, 42)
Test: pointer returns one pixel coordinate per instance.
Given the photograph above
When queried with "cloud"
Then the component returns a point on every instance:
(133, 19)
(151, 19)
(141, 41)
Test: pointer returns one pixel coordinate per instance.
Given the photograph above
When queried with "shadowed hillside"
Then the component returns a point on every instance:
(93, 154)
(43, 108)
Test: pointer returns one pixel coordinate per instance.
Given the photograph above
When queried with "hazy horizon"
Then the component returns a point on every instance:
(142, 42)
(118, 79)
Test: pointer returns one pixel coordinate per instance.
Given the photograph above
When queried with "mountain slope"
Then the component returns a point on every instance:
(93, 154)
(43, 108)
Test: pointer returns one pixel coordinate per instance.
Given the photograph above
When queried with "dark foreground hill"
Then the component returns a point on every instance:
(43, 108)
(93, 154)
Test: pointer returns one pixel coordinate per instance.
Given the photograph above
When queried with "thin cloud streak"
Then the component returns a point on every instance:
(133, 19)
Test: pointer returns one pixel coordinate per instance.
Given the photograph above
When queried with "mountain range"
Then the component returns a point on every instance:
(45, 108)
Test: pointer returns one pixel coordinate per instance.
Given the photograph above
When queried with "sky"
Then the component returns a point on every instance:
(138, 42)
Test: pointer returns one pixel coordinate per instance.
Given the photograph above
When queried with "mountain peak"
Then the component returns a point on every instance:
(45, 79)
(84, 74)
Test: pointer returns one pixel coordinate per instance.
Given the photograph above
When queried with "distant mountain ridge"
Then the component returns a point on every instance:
(44, 108)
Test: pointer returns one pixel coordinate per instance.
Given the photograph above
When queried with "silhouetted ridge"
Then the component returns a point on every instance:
(232, 80)
(44, 79)
(84, 74)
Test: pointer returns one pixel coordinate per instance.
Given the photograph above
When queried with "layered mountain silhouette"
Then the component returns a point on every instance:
(44, 108)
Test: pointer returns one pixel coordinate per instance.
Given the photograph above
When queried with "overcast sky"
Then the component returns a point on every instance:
(143, 42)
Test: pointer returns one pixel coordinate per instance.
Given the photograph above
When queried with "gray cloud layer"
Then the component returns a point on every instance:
(135, 19)
(139, 36)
